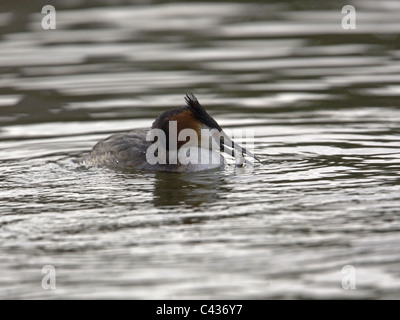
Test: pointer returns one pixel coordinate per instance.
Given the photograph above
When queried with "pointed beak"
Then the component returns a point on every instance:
(228, 146)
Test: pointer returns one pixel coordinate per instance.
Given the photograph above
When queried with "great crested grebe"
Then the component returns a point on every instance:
(185, 139)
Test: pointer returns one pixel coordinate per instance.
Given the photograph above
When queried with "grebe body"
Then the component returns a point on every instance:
(185, 139)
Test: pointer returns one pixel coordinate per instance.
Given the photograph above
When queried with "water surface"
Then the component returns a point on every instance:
(323, 103)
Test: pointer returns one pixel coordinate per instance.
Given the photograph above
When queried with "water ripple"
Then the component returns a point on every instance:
(321, 101)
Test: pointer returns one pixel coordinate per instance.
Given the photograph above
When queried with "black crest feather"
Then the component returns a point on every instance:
(199, 112)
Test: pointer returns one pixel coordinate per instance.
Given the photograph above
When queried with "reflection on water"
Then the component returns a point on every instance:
(186, 190)
(323, 104)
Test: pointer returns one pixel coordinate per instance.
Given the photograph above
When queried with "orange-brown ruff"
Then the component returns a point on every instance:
(127, 151)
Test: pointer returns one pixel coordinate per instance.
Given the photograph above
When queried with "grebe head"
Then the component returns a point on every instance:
(194, 116)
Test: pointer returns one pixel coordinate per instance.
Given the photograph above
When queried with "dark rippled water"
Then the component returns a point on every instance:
(324, 106)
